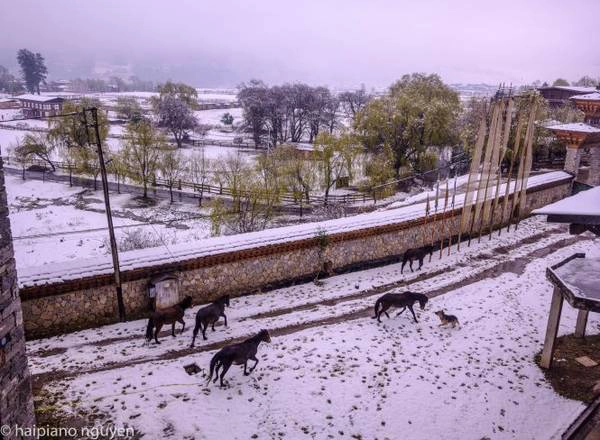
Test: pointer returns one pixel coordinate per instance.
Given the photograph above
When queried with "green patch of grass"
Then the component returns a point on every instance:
(569, 378)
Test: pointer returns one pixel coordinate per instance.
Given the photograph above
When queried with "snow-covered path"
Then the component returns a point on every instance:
(331, 371)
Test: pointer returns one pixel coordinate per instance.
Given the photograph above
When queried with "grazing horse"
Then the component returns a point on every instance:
(416, 254)
(237, 354)
(170, 315)
(404, 300)
(210, 315)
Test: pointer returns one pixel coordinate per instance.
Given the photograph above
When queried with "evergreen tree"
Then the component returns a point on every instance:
(33, 69)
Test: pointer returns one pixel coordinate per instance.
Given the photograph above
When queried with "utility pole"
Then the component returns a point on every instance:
(111, 229)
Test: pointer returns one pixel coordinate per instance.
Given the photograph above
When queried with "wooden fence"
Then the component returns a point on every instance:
(193, 189)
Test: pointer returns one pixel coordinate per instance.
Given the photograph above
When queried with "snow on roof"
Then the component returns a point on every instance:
(37, 98)
(72, 270)
(8, 100)
(578, 89)
(584, 203)
(575, 126)
(590, 96)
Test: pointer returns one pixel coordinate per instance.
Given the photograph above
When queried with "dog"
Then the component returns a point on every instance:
(447, 319)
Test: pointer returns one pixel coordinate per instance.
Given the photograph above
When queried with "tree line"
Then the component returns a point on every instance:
(33, 73)
(294, 112)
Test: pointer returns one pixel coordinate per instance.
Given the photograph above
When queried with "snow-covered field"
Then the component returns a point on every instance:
(213, 117)
(331, 371)
(53, 222)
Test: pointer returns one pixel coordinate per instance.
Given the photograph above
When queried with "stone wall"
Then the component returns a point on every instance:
(68, 306)
(16, 403)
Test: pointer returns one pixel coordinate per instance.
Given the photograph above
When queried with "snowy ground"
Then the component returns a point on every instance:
(213, 117)
(331, 371)
(52, 222)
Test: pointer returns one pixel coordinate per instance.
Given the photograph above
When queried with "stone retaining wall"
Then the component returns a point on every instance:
(73, 305)
(16, 402)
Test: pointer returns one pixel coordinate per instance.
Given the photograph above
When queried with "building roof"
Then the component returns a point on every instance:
(577, 89)
(578, 127)
(584, 205)
(587, 97)
(39, 98)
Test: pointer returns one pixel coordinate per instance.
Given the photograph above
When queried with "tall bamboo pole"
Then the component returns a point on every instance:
(519, 182)
(443, 228)
(516, 148)
(505, 136)
(469, 191)
(483, 180)
(527, 164)
(437, 192)
(452, 207)
(494, 141)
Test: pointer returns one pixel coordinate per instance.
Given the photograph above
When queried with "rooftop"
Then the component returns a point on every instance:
(38, 98)
(578, 127)
(588, 97)
(584, 204)
(577, 89)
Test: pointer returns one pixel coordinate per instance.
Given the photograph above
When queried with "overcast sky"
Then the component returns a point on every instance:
(340, 43)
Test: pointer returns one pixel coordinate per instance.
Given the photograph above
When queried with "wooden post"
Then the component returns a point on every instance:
(552, 328)
(582, 317)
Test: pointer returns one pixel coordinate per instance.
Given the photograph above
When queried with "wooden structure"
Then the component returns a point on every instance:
(576, 279)
(163, 290)
(581, 211)
(9, 103)
(575, 137)
(590, 105)
(559, 95)
(39, 106)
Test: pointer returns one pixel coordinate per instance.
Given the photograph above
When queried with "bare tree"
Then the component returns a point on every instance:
(254, 194)
(37, 145)
(327, 149)
(170, 168)
(175, 115)
(142, 152)
(199, 172)
(354, 101)
(299, 172)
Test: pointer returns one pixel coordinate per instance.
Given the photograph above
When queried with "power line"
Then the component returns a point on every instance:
(134, 225)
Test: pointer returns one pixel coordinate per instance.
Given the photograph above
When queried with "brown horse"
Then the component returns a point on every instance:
(170, 315)
(238, 354)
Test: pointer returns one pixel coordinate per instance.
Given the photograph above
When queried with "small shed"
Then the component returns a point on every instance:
(581, 211)
(163, 290)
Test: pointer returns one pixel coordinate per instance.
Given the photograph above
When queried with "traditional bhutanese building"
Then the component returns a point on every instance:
(37, 106)
(590, 105)
(558, 95)
(9, 103)
(580, 135)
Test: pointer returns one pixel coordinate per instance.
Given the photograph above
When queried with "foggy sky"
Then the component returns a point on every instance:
(340, 43)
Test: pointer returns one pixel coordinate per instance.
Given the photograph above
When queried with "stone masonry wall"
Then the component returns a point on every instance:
(16, 403)
(51, 310)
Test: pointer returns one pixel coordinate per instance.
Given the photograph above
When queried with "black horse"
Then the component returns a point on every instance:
(238, 354)
(416, 254)
(170, 315)
(404, 300)
(210, 315)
